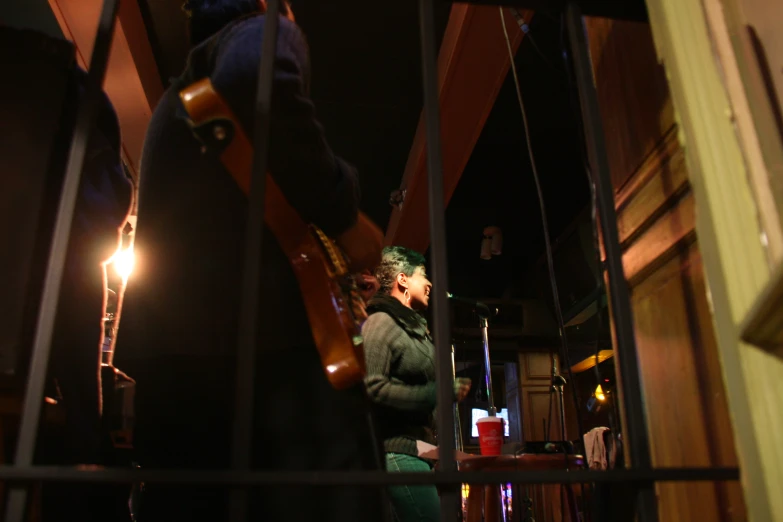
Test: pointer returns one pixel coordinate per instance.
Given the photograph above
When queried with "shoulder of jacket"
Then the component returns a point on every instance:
(379, 319)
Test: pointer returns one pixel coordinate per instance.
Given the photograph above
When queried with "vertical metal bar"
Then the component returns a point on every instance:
(633, 399)
(563, 431)
(36, 380)
(440, 315)
(247, 338)
(457, 424)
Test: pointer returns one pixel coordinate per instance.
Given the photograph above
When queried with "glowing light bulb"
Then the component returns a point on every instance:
(599, 393)
(123, 262)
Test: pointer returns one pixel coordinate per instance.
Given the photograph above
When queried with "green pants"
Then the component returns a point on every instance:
(412, 503)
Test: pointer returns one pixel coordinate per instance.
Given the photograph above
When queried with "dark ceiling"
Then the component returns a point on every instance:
(498, 187)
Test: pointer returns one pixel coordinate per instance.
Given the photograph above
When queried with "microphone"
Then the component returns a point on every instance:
(481, 308)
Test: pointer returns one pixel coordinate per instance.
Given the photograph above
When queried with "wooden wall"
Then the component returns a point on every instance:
(535, 378)
(681, 375)
(533, 399)
(535, 370)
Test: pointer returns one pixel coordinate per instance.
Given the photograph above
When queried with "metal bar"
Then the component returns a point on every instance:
(484, 324)
(241, 451)
(635, 10)
(441, 328)
(232, 478)
(457, 424)
(563, 432)
(36, 380)
(633, 399)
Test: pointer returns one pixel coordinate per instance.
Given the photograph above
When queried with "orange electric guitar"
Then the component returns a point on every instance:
(323, 266)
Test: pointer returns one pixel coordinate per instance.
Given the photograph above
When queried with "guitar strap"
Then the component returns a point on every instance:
(215, 125)
(322, 284)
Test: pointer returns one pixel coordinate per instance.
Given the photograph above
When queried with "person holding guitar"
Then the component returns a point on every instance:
(178, 335)
(400, 358)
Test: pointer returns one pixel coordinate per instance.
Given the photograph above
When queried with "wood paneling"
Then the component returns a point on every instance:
(535, 377)
(536, 407)
(536, 368)
(660, 240)
(660, 179)
(635, 113)
(686, 403)
(681, 375)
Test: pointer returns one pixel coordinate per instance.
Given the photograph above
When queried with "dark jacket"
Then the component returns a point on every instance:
(400, 380)
(178, 333)
(183, 297)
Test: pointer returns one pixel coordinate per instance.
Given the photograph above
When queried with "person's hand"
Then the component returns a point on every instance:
(368, 285)
(461, 388)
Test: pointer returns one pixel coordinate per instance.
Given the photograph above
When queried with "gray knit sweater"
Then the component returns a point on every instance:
(400, 378)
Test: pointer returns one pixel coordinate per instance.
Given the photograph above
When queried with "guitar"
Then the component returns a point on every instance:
(323, 266)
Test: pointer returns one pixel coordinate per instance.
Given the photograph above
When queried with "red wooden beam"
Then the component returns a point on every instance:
(132, 79)
(472, 65)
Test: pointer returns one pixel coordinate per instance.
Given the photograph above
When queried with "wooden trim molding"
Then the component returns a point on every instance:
(735, 261)
(665, 238)
(655, 210)
(472, 65)
(763, 326)
(761, 172)
(656, 160)
(657, 186)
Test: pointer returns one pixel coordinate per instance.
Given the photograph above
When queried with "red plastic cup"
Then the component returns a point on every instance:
(490, 431)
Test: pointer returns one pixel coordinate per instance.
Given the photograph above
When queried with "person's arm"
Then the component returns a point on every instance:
(320, 186)
(382, 338)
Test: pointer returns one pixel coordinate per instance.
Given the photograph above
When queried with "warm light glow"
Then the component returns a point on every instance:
(123, 262)
(599, 393)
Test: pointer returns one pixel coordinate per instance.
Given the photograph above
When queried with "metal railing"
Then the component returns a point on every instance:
(642, 475)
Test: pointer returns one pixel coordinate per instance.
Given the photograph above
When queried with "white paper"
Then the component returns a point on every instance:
(424, 447)
(428, 451)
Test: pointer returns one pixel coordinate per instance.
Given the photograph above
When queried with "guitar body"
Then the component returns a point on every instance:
(335, 309)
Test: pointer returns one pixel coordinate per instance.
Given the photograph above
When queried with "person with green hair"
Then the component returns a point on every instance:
(400, 358)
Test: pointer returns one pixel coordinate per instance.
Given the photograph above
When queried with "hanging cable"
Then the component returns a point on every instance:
(525, 27)
(550, 263)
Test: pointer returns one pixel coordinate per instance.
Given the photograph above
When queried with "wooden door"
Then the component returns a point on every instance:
(681, 376)
(535, 377)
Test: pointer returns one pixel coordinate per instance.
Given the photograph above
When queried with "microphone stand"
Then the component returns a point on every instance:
(483, 313)
(484, 325)
(458, 443)
(457, 422)
(558, 383)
